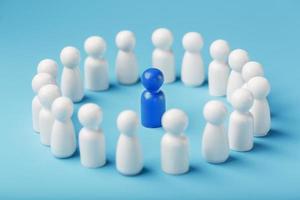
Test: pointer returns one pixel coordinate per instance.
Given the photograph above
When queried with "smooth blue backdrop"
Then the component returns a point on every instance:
(33, 30)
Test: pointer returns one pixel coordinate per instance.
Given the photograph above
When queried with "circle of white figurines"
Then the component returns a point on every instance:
(231, 73)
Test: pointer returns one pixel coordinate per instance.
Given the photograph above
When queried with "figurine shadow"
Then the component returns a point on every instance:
(205, 83)
(194, 169)
(113, 87)
(177, 78)
(260, 147)
(145, 171)
(231, 160)
(275, 134)
(86, 99)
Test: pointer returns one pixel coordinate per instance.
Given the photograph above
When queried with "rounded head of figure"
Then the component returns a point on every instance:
(259, 86)
(175, 121)
(125, 40)
(252, 69)
(242, 100)
(237, 59)
(214, 112)
(219, 50)
(95, 46)
(41, 80)
(70, 57)
(152, 79)
(48, 66)
(90, 115)
(47, 94)
(192, 42)
(162, 38)
(62, 109)
(128, 122)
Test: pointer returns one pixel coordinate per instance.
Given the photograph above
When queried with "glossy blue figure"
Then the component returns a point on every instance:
(153, 103)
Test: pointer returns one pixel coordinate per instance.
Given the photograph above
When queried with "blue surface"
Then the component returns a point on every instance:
(153, 100)
(33, 30)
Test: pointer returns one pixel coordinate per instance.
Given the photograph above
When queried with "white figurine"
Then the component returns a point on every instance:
(250, 70)
(48, 66)
(162, 56)
(95, 66)
(215, 147)
(63, 138)
(192, 69)
(240, 129)
(218, 70)
(71, 83)
(47, 94)
(37, 83)
(237, 59)
(127, 71)
(129, 157)
(174, 144)
(260, 88)
(91, 137)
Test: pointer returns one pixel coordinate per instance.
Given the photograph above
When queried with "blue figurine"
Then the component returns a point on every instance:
(153, 103)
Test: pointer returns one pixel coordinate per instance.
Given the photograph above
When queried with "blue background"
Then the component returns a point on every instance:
(34, 30)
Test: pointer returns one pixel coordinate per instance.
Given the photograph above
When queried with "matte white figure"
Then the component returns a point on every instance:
(48, 66)
(240, 129)
(91, 137)
(71, 83)
(192, 69)
(162, 56)
(129, 157)
(127, 71)
(218, 70)
(95, 66)
(47, 94)
(63, 138)
(237, 59)
(37, 83)
(260, 88)
(250, 70)
(215, 147)
(174, 144)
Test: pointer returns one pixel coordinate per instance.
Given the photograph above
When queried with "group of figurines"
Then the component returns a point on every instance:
(230, 74)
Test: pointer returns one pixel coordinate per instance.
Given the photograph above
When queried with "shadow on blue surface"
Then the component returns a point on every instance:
(275, 134)
(260, 147)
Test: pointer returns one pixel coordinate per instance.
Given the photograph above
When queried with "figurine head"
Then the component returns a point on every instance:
(175, 121)
(128, 122)
(125, 40)
(90, 116)
(48, 66)
(259, 86)
(95, 46)
(219, 50)
(152, 79)
(214, 112)
(192, 42)
(162, 38)
(242, 100)
(70, 57)
(237, 58)
(252, 69)
(62, 109)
